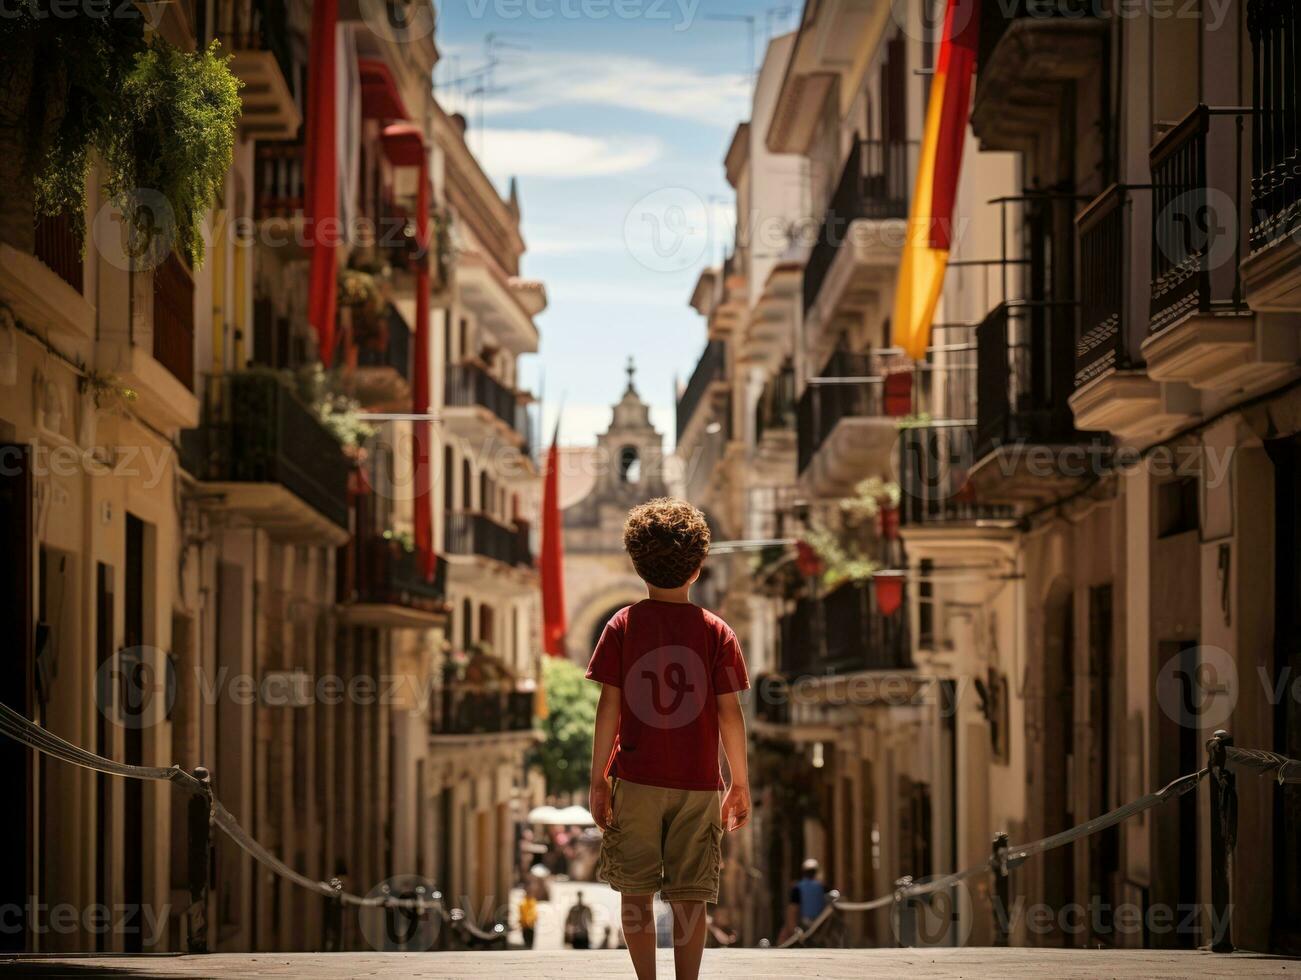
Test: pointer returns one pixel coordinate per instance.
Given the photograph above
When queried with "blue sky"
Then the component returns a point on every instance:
(614, 116)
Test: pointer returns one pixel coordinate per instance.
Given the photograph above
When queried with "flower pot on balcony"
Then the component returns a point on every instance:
(889, 591)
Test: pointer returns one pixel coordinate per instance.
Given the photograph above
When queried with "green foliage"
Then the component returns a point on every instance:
(565, 753)
(338, 412)
(846, 549)
(161, 120)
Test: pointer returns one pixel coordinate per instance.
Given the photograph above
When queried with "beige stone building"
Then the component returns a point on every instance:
(183, 507)
(1095, 467)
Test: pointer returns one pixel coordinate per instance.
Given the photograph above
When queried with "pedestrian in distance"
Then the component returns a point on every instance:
(670, 675)
(578, 924)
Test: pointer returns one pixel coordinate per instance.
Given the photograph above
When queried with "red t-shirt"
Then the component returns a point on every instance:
(670, 661)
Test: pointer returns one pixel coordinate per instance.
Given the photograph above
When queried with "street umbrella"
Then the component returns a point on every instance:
(544, 814)
(570, 816)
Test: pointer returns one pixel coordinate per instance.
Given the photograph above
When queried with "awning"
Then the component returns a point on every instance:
(404, 145)
(380, 98)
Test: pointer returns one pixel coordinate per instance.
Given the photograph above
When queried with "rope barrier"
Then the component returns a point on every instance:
(1283, 769)
(28, 733)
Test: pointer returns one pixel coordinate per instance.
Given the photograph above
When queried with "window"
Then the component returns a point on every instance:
(1177, 507)
(629, 465)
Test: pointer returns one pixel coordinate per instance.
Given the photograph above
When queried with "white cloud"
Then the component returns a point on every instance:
(548, 80)
(555, 153)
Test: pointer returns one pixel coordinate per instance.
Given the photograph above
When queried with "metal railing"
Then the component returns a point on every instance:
(874, 185)
(1103, 229)
(469, 710)
(1275, 29)
(850, 385)
(394, 352)
(474, 533)
(383, 571)
(711, 367)
(468, 384)
(60, 249)
(775, 410)
(1197, 234)
(174, 319)
(1025, 362)
(254, 25)
(1224, 763)
(935, 460)
(206, 812)
(842, 632)
(254, 430)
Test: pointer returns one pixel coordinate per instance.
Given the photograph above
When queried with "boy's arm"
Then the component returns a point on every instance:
(607, 726)
(731, 729)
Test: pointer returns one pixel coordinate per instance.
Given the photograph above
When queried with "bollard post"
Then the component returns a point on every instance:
(1224, 834)
(906, 911)
(1002, 889)
(334, 918)
(198, 829)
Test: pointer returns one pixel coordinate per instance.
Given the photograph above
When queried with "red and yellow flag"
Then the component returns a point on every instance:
(930, 219)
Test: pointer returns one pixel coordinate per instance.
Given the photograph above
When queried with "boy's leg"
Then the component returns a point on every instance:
(639, 933)
(688, 938)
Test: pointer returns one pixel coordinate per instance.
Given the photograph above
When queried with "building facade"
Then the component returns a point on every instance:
(196, 500)
(1020, 582)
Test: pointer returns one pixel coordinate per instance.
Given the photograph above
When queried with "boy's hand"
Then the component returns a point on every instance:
(598, 802)
(736, 807)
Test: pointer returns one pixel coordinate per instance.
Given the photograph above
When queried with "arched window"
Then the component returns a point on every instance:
(629, 465)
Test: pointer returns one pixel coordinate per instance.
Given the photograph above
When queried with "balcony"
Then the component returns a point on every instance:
(381, 584)
(843, 633)
(469, 710)
(1272, 273)
(278, 186)
(44, 289)
(844, 432)
(257, 37)
(1030, 57)
(1202, 331)
(769, 332)
(855, 254)
(1025, 356)
(261, 454)
(774, 419)
(1113, 391)
(469, 533)
(933, 471)
(709, 375)
(475, 405)
(381, 373)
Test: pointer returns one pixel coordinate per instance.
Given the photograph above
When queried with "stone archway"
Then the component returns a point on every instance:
(591, 611)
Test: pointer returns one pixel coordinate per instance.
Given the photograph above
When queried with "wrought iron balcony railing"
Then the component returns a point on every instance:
(468, 384)
(711, 367)
(254, 430)
(278, 179)
(1275, 29)
(1025, 365)
(1104, 253)
(874, 185)
(472, 533)
(843, 632)
(1197, 235)
(935, 460)
(823, 405)
(382, 571)
(471, 710)
(392, 350)
(776, 407)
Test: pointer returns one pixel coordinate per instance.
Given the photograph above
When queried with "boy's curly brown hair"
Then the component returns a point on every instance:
(667, 540)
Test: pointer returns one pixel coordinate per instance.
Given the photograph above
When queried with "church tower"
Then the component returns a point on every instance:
(625, 468)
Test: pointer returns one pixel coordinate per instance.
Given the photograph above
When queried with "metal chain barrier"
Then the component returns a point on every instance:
(211, 813)
(1004, 858)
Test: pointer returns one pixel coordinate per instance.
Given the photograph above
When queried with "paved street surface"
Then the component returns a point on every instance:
(752, 964)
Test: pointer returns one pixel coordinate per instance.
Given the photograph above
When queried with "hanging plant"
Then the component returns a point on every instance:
(338, 412)
(161, 120)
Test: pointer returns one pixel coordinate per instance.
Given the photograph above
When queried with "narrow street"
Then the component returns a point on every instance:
(752, 964)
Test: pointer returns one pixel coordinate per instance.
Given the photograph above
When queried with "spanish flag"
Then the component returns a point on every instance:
(930, 219)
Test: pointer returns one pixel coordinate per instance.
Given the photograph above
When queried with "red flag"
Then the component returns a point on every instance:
(955, 66)
(321, 201)
(552, 564)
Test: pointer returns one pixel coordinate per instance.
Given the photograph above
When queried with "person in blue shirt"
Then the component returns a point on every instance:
(808, 898)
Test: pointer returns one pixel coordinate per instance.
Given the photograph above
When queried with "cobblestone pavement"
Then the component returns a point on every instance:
(913, 964)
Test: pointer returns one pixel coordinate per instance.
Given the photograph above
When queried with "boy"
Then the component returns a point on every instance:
(670, 672)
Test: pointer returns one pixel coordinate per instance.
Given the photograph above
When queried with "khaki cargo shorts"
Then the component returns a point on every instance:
(663, 840)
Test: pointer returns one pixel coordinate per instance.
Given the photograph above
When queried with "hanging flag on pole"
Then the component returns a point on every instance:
(321, 174)
(930, 218)
(552, 565)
